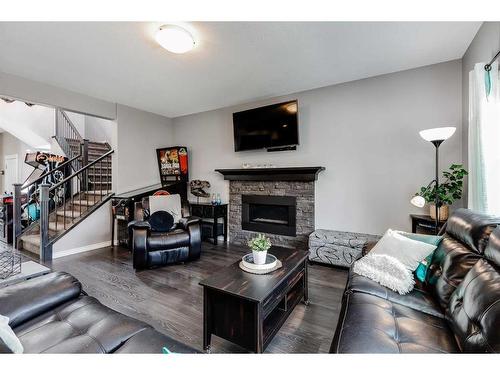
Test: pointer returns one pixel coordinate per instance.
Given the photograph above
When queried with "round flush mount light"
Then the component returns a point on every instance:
(175, 39)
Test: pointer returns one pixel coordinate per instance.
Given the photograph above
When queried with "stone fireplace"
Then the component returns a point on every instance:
(276, 201)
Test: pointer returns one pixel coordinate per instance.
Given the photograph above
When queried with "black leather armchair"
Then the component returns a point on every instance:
(151, 248)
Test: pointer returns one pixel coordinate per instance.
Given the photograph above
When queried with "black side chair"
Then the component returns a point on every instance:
(156, 243)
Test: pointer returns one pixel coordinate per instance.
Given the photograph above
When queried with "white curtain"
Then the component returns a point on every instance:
(484, 140)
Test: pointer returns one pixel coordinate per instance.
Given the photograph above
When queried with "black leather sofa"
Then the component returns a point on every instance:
(152, 248)
(51, 314)
(459, 313)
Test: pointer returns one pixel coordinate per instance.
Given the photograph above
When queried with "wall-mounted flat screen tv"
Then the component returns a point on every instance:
(272, 126)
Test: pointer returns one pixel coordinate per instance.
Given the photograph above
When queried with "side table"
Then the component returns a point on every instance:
(212, 212)
(424, 224)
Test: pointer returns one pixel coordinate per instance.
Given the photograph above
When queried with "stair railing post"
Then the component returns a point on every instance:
(85, 161)
(45, 248)
(17, 213)
(56, 122)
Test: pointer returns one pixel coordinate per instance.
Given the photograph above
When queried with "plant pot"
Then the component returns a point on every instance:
(443, 212)
(259, 257)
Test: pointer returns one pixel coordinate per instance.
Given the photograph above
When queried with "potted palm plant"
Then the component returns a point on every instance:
(448, 191)
(259, 246)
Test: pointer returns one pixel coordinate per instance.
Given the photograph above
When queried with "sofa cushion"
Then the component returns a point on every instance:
(451, 262)
(492, 251)
(169, 256)
(471, 228)
(151, 341)
(374, 325)
(417, 299)
(24, 301)
(474, 310)
(173, 239)
(82, 325)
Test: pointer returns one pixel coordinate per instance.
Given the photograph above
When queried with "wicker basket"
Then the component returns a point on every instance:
(443, 212)
(10, 264)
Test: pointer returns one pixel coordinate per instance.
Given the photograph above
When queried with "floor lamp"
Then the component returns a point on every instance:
(436, 136)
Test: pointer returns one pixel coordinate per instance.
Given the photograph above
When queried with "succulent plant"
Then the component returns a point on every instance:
(260, 243)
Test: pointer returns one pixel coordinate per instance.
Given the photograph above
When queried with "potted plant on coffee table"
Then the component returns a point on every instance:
(259, 246)
(448, 191)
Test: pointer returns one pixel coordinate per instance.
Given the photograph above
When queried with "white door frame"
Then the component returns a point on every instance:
(16, 171)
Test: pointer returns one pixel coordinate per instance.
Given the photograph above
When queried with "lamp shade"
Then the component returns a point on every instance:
(438, 134)
(418, 201)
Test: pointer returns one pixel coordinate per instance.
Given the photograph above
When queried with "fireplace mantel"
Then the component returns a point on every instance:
(272, 174)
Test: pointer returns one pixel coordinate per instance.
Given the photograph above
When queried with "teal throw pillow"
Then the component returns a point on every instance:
(423, 267)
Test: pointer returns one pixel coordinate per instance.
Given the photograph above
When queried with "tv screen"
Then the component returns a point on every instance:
(266, 127)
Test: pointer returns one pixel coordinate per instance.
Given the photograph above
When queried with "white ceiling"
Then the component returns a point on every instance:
(233, 63)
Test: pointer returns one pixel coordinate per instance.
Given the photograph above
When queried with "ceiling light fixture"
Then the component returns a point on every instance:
(175, 39)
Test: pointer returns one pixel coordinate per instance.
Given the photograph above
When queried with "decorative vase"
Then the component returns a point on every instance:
(259, 257)
(443, 212)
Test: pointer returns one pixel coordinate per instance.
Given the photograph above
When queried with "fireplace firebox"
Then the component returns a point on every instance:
(269, 214)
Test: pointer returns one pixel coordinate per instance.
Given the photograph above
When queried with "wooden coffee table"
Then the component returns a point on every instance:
(249, 309)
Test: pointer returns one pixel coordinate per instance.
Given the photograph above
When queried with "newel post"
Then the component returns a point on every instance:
(45, 248)
(17, 213)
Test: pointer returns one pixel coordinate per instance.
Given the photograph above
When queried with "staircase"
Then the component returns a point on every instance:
(99, 176)
(65, 204)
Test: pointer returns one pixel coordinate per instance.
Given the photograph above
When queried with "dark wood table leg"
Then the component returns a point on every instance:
(306, 284)
(207, 329)
(113, 231)
(225, 228)
(259, 324)
(413, 226)
(214, 230)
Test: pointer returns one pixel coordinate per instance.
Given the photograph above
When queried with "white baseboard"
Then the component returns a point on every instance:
(77, 250)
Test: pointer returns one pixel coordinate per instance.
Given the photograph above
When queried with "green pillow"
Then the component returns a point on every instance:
(423, 267)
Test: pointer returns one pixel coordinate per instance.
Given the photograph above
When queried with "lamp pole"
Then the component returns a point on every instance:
(437, 143)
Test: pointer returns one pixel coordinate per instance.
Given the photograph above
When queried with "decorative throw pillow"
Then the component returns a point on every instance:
(8, 338)
(387, 271)
(170, 203)
(161, 221)
(407, 251)
(423, 267)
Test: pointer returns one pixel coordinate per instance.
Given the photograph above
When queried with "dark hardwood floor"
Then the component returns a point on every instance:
(170, 299)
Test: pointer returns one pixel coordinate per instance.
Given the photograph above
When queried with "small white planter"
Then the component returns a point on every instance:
(259, 257)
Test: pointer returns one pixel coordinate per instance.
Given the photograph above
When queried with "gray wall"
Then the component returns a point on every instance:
(99, 130)
(484, 46)
(364, 132)
(139, 134)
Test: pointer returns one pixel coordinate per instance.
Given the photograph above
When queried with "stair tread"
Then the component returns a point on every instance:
(83, 202)
(69, 213)
(31, 238)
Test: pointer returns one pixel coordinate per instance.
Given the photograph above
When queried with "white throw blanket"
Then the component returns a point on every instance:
(387, 271)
